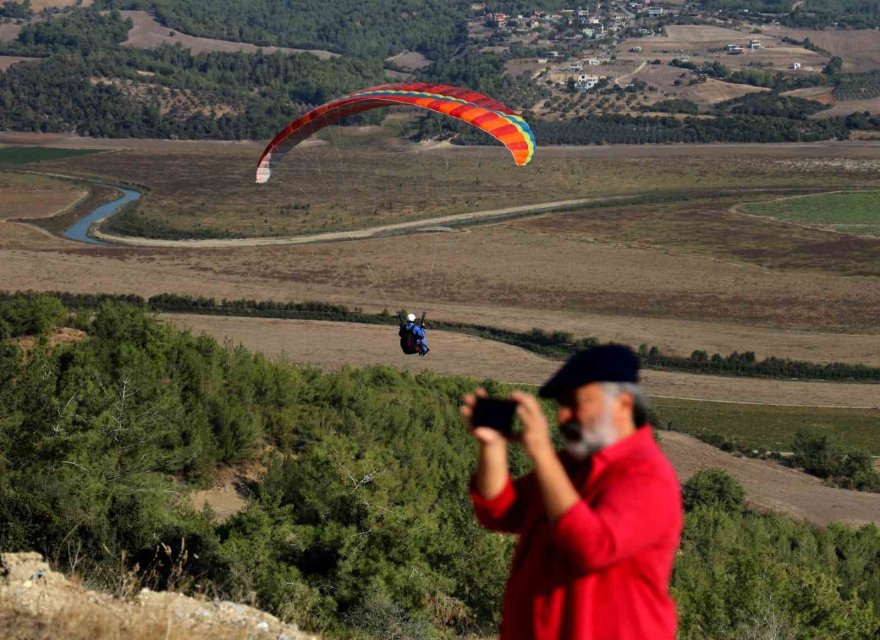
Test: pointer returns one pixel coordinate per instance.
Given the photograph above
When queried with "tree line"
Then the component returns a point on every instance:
(554, 344)
(360, 526)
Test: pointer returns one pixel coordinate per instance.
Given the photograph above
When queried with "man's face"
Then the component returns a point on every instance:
(597, 415)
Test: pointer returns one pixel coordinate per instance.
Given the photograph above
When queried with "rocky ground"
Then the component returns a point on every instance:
(37, 603)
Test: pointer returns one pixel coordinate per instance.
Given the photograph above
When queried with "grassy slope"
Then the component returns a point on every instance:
(771, 427)
(854, 212)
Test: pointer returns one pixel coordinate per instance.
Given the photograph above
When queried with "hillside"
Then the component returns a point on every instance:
(359, 526)
(229, 70)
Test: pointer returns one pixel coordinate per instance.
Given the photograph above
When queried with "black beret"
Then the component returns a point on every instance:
(605, 363)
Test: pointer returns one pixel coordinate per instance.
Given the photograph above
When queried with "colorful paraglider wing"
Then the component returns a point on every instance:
(474, 108)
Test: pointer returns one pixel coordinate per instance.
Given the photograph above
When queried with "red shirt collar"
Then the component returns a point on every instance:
(641, 438)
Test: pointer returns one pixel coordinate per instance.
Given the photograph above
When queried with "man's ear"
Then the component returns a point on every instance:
(564, 414)
(625, 404)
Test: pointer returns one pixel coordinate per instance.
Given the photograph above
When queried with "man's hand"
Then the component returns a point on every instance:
(557, 490)
(484, 435)
(491, 476)
(535, 435)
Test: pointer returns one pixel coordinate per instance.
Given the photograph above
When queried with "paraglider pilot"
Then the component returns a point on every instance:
(412, 335)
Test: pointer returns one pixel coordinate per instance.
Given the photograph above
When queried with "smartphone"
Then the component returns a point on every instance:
(494, 413)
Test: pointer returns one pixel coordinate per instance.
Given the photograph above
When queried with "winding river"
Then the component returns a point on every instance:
(79, 231)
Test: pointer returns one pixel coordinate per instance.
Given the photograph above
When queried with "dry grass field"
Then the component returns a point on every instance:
(27, 196)
(859, 49)
(332, 345)
(846, 107)
(149, 34)
(683, 276)
(837, 108)
(361, 179)
(705, 94)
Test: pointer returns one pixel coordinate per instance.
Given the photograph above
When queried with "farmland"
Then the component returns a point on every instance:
(362, 178)
(854, 213)
(771, 427)
(35, 196)
(631, 260)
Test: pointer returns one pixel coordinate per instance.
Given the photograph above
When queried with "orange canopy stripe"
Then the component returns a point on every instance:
(476, 109)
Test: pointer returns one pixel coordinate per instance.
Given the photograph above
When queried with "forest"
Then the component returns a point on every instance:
(260, 93)
(364, 28)
(360, 526)
(86, 83)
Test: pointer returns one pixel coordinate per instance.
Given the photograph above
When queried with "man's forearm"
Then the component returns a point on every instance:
(557, 489)
(492, 474)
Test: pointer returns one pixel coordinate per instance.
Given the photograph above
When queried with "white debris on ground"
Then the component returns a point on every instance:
(36, 602)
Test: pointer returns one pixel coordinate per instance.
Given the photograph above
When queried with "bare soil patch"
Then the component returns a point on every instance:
(9, 31)
(332, 345)
(679, 337)
(8, 61)
(825, 95)
(38, 5)
(61, 335)
(232, 486)
(147, 33)
(410, 60)
(780, 58)
(699, 34)
(715, 91)
(705, 93)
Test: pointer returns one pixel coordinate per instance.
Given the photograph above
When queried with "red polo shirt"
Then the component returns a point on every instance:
(602, 570)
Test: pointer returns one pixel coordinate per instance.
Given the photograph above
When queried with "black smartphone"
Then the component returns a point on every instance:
(494, 413)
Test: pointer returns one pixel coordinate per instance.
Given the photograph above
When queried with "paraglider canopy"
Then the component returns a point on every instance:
(476, 109)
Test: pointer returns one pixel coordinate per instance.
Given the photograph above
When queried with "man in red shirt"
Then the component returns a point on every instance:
(598, 523)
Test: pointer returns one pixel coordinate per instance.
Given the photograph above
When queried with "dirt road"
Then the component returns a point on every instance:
(355, 234)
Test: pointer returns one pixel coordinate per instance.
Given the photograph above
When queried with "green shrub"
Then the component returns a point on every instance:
(714, 488)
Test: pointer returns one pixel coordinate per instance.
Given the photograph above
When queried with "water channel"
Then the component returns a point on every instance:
(79, 231)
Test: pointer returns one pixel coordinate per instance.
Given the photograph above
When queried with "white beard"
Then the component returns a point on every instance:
(601, 435)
